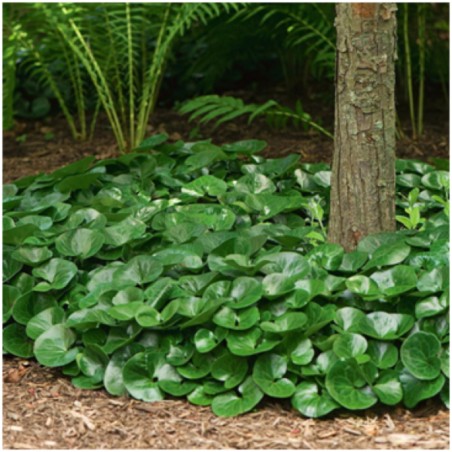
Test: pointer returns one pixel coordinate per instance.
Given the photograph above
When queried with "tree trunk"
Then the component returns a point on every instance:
(363, 176)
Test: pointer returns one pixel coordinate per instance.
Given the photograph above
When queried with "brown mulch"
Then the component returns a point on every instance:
(42, 410)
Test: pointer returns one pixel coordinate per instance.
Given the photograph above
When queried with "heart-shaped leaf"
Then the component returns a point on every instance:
(233, 403)
(310, 403)
(268, 374)
(57, 272)
(53, 347)
(346, 384)
(81, 243)
(419, 354)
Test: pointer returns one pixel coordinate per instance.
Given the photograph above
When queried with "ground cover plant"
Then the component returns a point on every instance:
(196, 270)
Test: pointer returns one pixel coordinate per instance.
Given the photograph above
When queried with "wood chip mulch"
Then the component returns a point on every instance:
(42, 410)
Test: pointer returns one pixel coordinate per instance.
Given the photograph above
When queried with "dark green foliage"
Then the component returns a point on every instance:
(196, 270)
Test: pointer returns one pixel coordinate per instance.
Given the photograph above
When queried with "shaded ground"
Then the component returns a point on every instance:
(42, 410)
(27, 151)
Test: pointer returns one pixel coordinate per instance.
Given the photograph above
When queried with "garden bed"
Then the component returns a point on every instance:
(42, 409)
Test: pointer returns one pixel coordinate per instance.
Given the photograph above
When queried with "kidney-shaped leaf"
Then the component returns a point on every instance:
(310, 403)
(53, 347)
(57, 272)
(385, 325)
(81, 243)
(268, 374)
(419, 354)
(347, 386)
(233, 403)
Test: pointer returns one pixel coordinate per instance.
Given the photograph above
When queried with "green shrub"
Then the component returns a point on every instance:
(190, 269)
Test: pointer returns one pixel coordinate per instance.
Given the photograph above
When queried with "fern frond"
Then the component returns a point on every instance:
(220, 109)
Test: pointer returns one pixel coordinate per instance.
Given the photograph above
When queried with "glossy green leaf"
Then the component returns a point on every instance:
(53, 347)
(43, 321)
(234, 403)
(385, 326)
(415, 390)
(16, 342)
(290, 321)
(269, 374)
(57, 273)
(246, 147)
(350, 345)
(236, 320)
(419, 354)
(310, 403)
(82, 243)
(32, 255)
(346, 384)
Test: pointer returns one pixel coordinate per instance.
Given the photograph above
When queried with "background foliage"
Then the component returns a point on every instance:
(187, 50)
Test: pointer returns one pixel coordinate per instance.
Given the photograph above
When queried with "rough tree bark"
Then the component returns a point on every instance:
(363, 173)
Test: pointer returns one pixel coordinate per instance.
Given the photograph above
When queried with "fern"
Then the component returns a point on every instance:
(213, 108)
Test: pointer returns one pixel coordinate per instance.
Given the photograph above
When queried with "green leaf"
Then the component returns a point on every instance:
(236, 320)
(53, 347)
(205, 158)
(254, 184)
(419, 354)
(396, 280)
(268, 374)
(43, 321)
(290, 321)
(352, 262)
(250, 342)
(139, 270)
(245, 291)
(124, 232)
(245, 147)
(233, 403)
(77, 182)
(200, 397)
(185, 256)
(92, 362)
(16, 342)
(81, 243)
(415, 390)
(205, 185)
(350, 345)
(388, 254)
(383, 354)
(149, 144)
(31, 255)
(310, 403)
(10, 296)
(386, 326)
(362, 285)
(141, 375)
(349, 319)
(206, 340)
(230, 369)
(346, 384)
(388, 388)
(301, 350)
(436, 180)
(57, 272)
(289, 264)
(432, 306)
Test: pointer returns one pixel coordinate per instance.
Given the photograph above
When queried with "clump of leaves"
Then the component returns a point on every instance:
(201, 271)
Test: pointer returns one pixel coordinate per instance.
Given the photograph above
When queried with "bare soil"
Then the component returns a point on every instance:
(42, 410)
